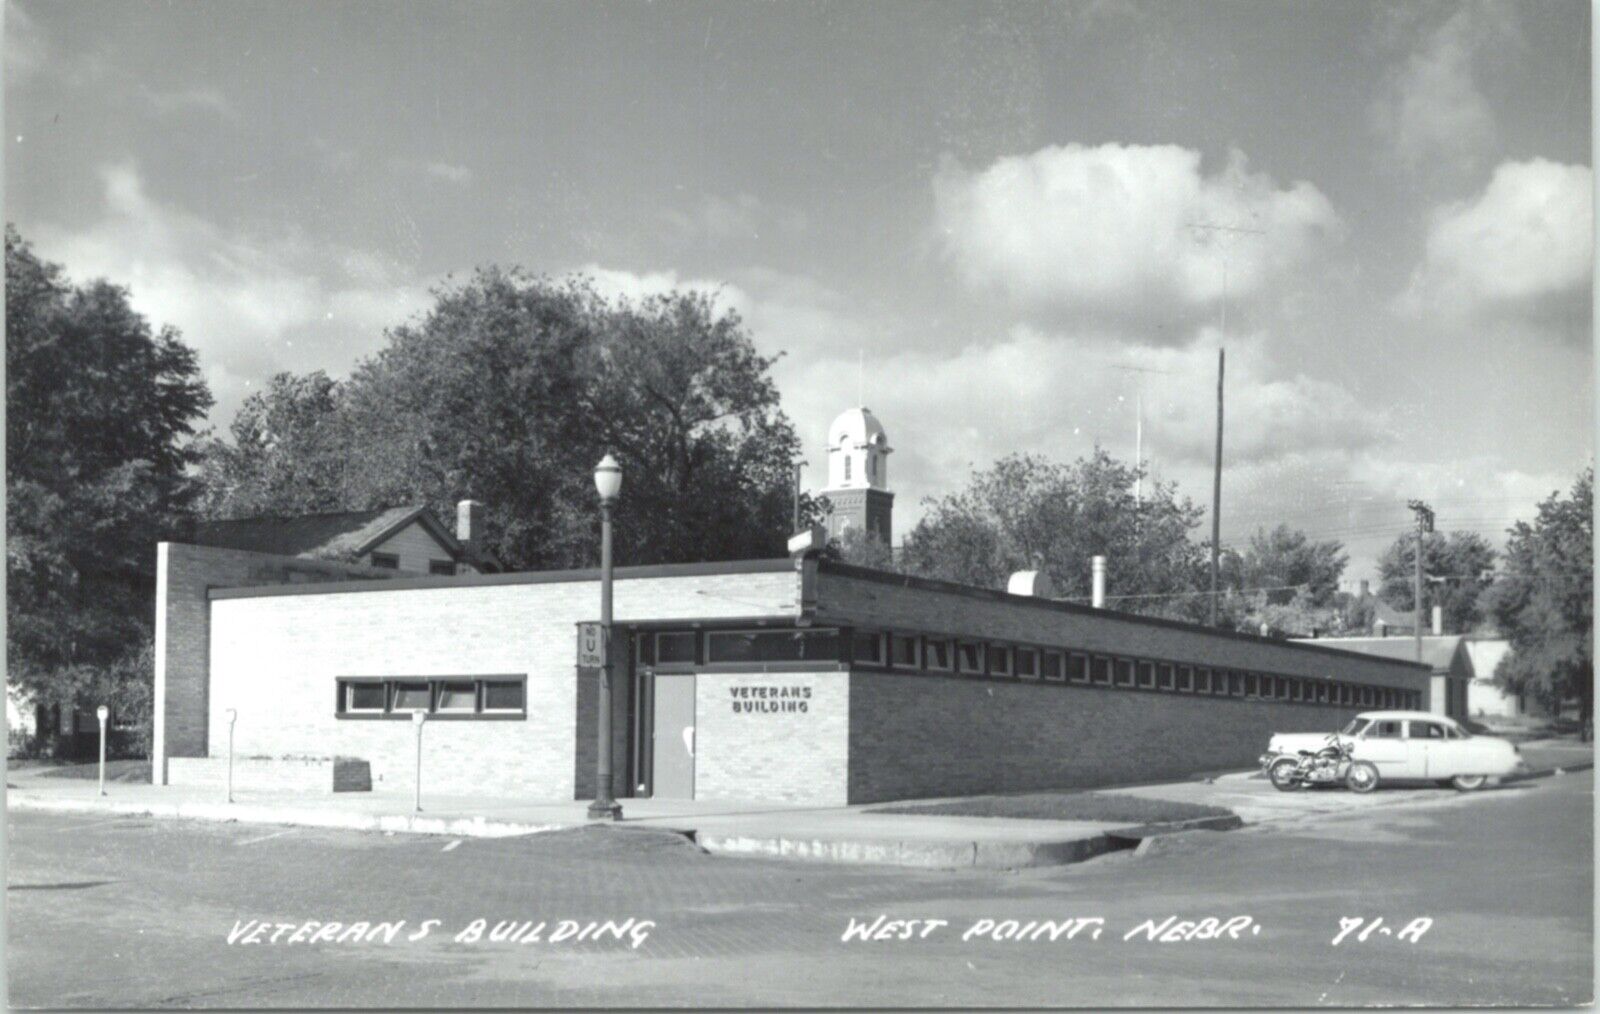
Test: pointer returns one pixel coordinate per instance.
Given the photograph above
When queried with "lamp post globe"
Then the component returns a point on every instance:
(608, 483)
(608, 478)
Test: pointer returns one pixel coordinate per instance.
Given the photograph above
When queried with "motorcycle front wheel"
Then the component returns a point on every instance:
(1362, 777)
(1282, 774)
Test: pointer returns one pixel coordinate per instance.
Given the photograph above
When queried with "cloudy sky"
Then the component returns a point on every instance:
(989, 217)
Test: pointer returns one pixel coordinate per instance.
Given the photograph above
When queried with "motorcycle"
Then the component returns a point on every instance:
(1329, 765)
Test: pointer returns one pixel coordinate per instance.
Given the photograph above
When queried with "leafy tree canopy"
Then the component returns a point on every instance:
(1544, 602)
(509, 391)
(1456, 568)
(100, 408)
(1028, 513)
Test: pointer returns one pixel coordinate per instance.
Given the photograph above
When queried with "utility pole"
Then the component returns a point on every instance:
(1424, 515)
(1230, 231)
(1216, 491)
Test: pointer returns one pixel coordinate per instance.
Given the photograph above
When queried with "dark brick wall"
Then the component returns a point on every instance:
(917, 735)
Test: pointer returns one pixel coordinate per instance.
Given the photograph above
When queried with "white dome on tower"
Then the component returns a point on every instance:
(857, 451)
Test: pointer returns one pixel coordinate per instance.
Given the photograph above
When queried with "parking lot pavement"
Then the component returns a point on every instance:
(136, 912)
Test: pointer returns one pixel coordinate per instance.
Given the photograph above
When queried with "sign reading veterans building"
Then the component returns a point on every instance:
(768, 699)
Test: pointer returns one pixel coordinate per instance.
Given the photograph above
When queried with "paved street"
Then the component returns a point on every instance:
(137, 912)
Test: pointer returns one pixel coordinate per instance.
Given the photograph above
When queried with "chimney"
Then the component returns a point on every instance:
(469, 528)
(1381, 628)
(1099, 576)
(1438, 620)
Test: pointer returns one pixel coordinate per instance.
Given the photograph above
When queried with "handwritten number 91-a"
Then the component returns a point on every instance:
(1412, 931)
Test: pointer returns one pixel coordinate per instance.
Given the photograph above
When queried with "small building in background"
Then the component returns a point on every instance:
(408, 538)
(1446, 655)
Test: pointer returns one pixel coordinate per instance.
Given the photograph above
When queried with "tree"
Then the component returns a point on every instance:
(1028, 513)
(1286, 564)
(1544, 601)
(509, 391)
(99, 412)
(1456, 568)
(288, 453)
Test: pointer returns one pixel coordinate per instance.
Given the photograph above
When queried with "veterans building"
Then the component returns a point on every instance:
(800, 680)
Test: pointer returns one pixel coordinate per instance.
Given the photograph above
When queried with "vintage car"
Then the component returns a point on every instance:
(1397, 746)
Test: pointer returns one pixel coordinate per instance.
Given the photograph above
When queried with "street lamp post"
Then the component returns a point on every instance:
(608, 482)
(102, 713)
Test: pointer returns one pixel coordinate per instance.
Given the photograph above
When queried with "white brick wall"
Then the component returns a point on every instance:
(796, 756)
(276, 658)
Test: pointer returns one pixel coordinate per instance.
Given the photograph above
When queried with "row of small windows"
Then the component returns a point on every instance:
(391, 561)
(988, 659)
(455, 696)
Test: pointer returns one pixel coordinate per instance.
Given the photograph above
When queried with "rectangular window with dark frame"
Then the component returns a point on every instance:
(677, 648)
(365, 696)
(969, 657)
(1026, 662)
(385, 561)
(1268, 686)
(1164, 676)
(1100, 669)
(1202, 680)
(1147, 675)
(1322, 693)
(999, 659)
(442, 568)
(445, 697)
(504, 695)
(734, 646)
(1295, 690)
(1235, 684)
(1252, 685)
(1053, 666)
(411, 697)
(644, 647)
(1077, 668)
(905, 651)
(867, 647)
(1185, 679)
(458, 697)
(1124, 671)
(936, 654)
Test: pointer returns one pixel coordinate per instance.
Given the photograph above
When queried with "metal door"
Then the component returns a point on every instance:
(672, 752)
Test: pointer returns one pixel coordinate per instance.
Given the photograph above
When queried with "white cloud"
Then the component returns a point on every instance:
(1432, 112)
(1529, 236)
(250, 305)
(1112, 228)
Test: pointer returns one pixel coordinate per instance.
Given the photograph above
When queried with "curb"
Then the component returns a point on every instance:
(949, 854)
(244, 813)
(1560, 769)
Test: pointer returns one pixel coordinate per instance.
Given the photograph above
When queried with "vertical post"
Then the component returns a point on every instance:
(794, 527)
(417, 719)
(1216, 487)
(233, 716)
(102, 713)
(604, 806)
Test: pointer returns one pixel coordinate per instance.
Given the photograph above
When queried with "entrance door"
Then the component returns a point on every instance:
(672, 752)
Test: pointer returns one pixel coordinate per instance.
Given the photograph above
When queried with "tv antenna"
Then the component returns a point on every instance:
(1138, 428)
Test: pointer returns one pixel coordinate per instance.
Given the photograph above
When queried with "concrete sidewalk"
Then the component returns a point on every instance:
(754, 828)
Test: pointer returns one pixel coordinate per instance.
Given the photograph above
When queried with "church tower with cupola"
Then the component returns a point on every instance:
(858, 476)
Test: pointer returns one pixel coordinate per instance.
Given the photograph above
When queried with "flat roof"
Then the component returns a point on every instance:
(424, 581)
(1057, 605)
(774, 566)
